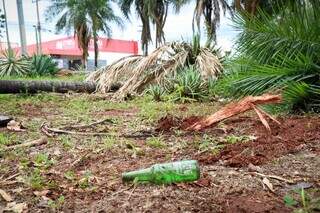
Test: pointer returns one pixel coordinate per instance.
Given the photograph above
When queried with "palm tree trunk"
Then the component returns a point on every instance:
(237, 4)
(145, 49)
(96, 50)
(20, 86)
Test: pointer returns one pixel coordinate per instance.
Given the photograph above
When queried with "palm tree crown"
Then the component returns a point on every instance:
(86, 18)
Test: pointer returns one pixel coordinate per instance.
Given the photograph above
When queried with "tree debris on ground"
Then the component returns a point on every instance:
(38, 142)
(15, 126)
(5, 196)
(34, 86)
(50, 132)
(135, 73)
(241, 106)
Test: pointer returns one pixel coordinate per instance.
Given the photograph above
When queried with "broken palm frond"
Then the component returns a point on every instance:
(135, 73)
(236, 108)
(114, 73)
(206, 58)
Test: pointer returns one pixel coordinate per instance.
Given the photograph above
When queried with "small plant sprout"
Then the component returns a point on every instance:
(156, 142)
(57, 204)
(156, 92)
(35, 180)
(210, 144)
(70, 175)
(42, 160)
(232, 139)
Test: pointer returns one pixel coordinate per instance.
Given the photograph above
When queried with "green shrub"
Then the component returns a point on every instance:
(43, 65)
(12, 65)
(156, 91)
(278, 54)
(188, 85)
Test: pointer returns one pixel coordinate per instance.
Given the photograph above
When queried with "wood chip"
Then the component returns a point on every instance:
(267, 182)
(273, 177)
(5, 196)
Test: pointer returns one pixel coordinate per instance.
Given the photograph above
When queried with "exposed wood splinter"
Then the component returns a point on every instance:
(239, 107)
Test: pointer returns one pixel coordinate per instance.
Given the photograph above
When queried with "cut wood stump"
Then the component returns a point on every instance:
(235, 108)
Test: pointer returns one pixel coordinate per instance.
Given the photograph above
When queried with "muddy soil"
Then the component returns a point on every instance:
(293, 135)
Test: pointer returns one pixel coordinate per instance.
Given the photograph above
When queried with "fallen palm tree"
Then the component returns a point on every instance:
(25, 86)
(232, 109)
(136, 73)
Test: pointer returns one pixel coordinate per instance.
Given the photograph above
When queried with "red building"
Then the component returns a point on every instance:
(67, 53)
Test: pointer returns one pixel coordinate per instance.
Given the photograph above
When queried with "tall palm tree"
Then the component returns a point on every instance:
(71, 17)
(100, 14)
(151, 12)
(86, 18)
(210, 10)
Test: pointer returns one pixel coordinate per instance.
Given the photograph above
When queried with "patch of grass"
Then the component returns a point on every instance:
(24, 163)
(42, 160)
(66, 142)
(70, 175)
(109, 142)
(78, 108)
(57, 204)
(210, 144)
(4, 168)
(4, 140)
(232, 139)
(84, 182)
(76, 77)
(35, 180)
(156, 142)
(303, 201)
(152, 111)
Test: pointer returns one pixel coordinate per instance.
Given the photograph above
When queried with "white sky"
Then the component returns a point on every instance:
(177, 26)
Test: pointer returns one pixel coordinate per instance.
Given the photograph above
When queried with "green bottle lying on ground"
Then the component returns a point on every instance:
(166, 173)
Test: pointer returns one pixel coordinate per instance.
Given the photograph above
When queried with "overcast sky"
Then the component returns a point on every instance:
(177, 26)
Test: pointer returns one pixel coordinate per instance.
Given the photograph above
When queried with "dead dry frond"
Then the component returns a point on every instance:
(135, 73)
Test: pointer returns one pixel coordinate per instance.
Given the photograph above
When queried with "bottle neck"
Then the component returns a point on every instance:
(140, 175)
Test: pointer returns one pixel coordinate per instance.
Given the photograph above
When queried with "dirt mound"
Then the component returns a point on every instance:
(293, 135)
(169, 123)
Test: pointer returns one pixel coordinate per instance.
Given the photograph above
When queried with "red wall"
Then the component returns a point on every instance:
(69, 46)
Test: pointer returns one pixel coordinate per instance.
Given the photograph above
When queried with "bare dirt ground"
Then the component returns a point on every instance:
(243, 167)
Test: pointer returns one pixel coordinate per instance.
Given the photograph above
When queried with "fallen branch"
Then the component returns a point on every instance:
(236, 108)
(12, 176)
(51, 131)
(272, 177)
(37, 142)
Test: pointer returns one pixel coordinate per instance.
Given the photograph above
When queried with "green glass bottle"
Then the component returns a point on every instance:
(166, 173)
